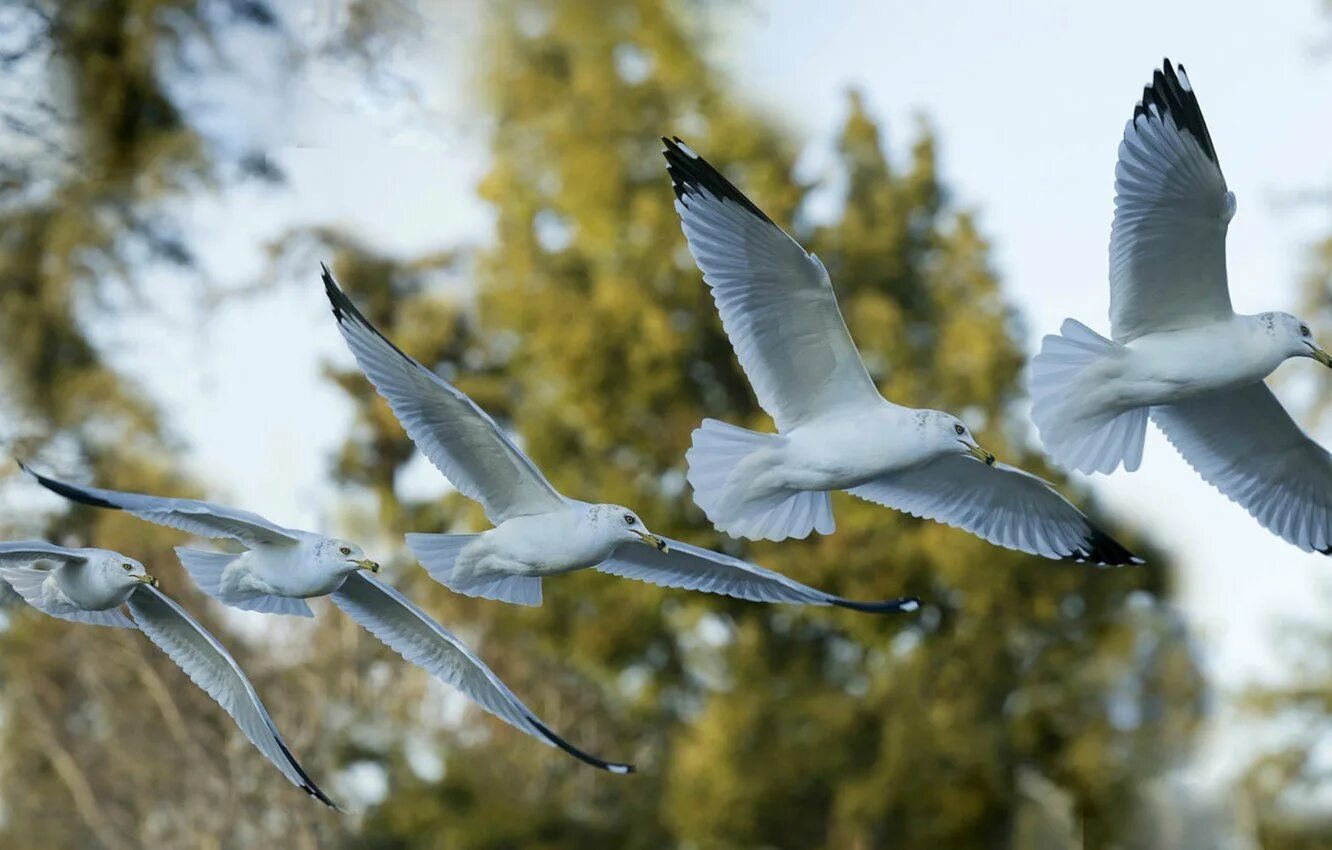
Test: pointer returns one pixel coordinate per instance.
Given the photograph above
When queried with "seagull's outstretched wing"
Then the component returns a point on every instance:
(776, 302)
(211, 667)
(458, 437)
(1000, 504)
(1245, 444)
(694, 568)
(189, 515)
(410, 632)
(1168, 240)
(39, 588)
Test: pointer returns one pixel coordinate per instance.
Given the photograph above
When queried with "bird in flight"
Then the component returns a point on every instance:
(1178, 353)
(282, 567)
(835, 431)
(538, 532)
(91, 585)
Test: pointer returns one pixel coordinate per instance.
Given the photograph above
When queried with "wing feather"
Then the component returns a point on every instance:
(410, 632)
(212, 668)
(776, 302)
(458, 437)
(188, 515)
(1172, 210)
(694, 568)
(1246, 445)
(1000, 504)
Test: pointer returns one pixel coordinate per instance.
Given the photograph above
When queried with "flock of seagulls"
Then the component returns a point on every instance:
(1178, 354)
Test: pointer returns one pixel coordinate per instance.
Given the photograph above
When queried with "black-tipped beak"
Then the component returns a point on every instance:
(653, 541)
(981, 455)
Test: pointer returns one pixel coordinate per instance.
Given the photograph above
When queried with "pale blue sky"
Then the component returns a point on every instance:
(1029, 100)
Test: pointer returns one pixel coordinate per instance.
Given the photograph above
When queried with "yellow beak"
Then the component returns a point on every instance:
(148, 580)
(368, 564)
(981, 455)
(1322, 356)
(653, 541)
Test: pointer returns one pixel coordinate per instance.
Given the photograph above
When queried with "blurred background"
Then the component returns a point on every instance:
(485, 180)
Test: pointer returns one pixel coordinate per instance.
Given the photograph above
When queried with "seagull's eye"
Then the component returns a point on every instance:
(1304, 330)
(128, 567)
(630, 519)
(344, 550)
(959, 429)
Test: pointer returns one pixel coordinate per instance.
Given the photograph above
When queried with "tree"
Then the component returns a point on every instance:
(596, 341)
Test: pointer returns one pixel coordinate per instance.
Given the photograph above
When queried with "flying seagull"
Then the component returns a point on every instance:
(537, 532)
(282, 567)
(90, 585)
(1180, 355)
(834, 430)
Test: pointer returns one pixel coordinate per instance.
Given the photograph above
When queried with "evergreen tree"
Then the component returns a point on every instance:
(597, 342)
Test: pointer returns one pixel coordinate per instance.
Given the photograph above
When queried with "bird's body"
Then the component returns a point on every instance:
(291, 571)
(841, 450)
(560, 541)
(90, 586)
(835, 431)
(281, 567)
(537, 531)
(88, 590)
(1178, 353)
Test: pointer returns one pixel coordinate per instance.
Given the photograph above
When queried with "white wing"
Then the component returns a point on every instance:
(189, 515)
(1245, 444)
(458, 437)
(410, 632)
(1000, 504)
(213, 669)
(1168, 240)
(24, 553)
(694, 568)
(776, 302)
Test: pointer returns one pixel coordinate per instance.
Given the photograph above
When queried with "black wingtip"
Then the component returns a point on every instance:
(1172, 94)
(1104, 550)
(307, 784)
(69, 491)
(336, 297)
(619, 768)
(692, 174)
(904, 605)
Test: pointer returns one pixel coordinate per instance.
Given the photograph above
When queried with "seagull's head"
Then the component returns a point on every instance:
(342, 557)
(621, 525)
(952, 436)
(120, 573)
(1296, 337)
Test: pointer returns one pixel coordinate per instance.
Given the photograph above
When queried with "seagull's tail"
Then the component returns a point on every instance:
(724, 462)
(206, 567)
(1078, 433)
(439, 554)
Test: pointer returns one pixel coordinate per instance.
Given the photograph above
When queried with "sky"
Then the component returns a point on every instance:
(1029, 101)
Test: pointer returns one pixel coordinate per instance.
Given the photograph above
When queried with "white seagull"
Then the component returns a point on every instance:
(537, 532)
(835, 431)
(90, 585)
(1180, 355)
(282, 567)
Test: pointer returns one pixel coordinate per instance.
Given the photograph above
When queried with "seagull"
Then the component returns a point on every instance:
(834, 429)
(1179, 354)
(538, 532)
(282, 567)
(90, 585)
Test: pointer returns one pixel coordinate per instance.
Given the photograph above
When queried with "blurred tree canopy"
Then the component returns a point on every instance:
(1022, 688)
(593, 337)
